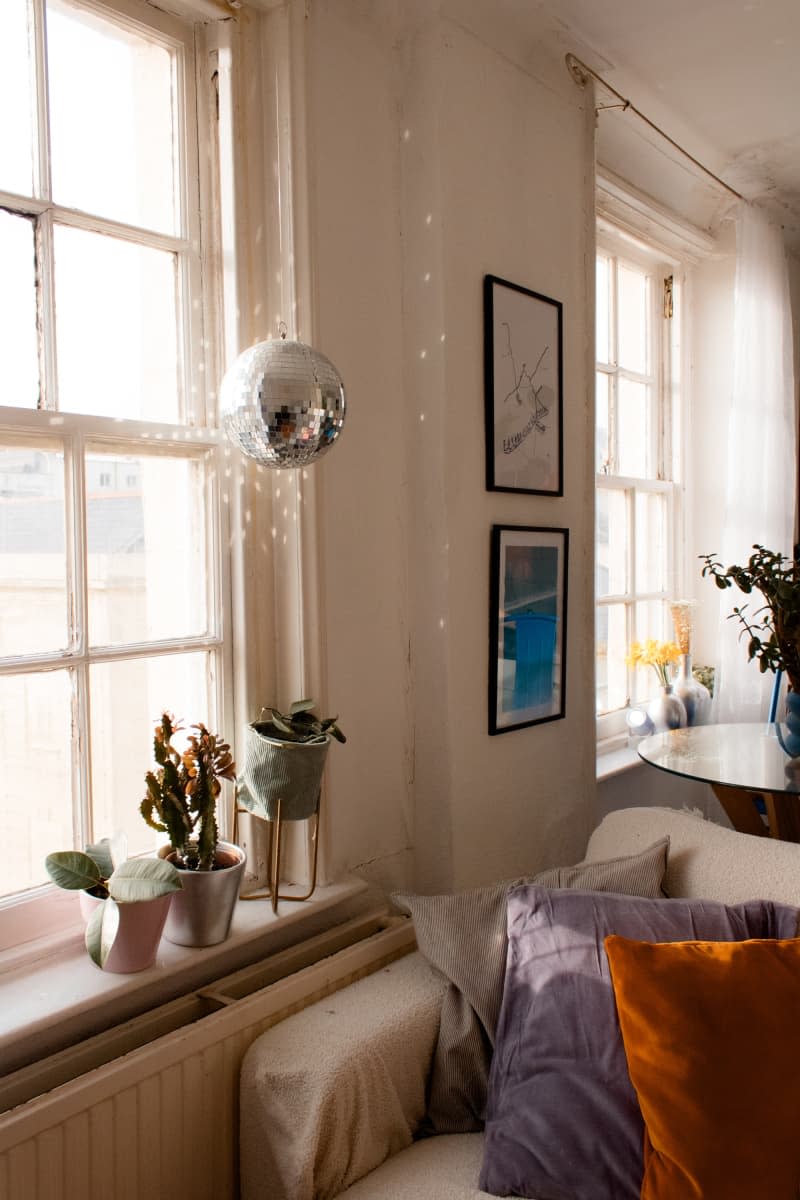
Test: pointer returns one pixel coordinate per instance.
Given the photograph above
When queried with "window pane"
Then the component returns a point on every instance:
(33, 573)
(116, 332)
(111, 119)
(602, 409)
(16, 97)
(611, 543)
(603, 311)
(634, 429)
(36, 799)
(633, 293)
(147, 547)
(651, 548)
(612, 647)
(127, 700)
(18, 342)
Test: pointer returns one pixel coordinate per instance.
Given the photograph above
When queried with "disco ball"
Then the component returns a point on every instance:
(282, 403)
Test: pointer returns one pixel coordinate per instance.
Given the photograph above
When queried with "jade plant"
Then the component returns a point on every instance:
(773, 629)
(301, 724)
(103, 871)
(182, 791)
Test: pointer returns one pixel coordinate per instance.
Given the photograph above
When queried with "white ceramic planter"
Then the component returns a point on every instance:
(201, 912)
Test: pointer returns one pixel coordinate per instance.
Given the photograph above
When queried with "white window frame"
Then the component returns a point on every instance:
(665, 374)
(44, 910)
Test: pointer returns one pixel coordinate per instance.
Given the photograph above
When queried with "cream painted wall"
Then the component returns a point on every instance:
(436, 159)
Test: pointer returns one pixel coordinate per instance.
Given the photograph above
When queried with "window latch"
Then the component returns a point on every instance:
(668, 304)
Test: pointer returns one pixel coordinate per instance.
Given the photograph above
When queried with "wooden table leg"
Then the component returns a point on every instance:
(783, 814)
(741, 808)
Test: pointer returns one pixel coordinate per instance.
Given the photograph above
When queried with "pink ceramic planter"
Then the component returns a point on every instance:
(141, 925)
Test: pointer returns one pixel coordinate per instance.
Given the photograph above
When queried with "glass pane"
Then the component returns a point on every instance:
(611, 543)
(633, 304)
(602, 408)
(36, 799)
(16, 101)
(650, 621)
(112, 119)
(127, 701)
(18, 340)
(634, 429)
(33, 573)
(146, 547)
(612, 673)
(651, 545)
(603, 311)
(116, 334)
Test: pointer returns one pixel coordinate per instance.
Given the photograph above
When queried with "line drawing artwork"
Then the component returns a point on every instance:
(523, 386)
(525, 391)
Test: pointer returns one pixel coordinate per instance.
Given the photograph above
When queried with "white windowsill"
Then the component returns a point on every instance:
(615, 761)
(56, 1000)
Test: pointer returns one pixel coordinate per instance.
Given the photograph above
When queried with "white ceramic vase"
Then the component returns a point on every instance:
(666, 711)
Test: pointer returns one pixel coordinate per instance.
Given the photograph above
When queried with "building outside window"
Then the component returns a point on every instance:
(637, 464)
(112, 582)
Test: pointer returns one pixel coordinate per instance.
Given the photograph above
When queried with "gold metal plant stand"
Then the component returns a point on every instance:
(274, 871)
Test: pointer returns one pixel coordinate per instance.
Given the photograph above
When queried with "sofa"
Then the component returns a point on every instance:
(341, 1100)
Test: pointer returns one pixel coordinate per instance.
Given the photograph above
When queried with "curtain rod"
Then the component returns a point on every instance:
(580, 72)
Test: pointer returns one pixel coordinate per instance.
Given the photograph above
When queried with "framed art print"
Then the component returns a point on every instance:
(523, 385)
(527, 635)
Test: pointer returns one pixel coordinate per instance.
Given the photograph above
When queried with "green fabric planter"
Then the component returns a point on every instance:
(277, 770)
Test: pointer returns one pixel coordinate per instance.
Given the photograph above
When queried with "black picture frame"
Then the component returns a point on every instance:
(527, 626)
(523, 368)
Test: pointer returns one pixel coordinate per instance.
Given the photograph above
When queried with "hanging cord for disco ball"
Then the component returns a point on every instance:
(282, 403)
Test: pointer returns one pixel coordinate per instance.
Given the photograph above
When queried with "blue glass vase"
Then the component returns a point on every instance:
(789, 733)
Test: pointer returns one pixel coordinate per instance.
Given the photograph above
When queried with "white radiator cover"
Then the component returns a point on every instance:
(160, 1122)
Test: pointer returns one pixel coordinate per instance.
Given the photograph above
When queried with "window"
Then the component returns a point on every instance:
(637, 388)
(112, 582)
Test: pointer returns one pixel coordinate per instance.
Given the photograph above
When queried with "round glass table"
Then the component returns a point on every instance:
(751, 775)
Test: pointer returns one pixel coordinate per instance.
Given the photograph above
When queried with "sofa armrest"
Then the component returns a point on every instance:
(329, 1093)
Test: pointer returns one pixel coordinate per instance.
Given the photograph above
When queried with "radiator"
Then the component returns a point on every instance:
(150, 1110)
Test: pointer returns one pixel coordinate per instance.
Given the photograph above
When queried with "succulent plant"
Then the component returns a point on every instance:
(182, 791)
(301, 724)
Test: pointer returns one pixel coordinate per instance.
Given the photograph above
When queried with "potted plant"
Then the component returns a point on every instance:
(128, 902)
(181, 801)
(284, 760)
(773, 629)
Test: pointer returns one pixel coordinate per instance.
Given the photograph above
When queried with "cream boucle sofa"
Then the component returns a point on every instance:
(332, 1097)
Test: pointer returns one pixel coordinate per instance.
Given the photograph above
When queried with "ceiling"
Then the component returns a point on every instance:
(721, 77)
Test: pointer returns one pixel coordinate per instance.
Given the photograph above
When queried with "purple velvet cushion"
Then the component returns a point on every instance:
(562, 1119)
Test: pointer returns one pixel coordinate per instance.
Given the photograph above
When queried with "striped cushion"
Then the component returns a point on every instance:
(464, 937)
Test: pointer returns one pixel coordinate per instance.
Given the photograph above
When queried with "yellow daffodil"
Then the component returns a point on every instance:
(655, 654)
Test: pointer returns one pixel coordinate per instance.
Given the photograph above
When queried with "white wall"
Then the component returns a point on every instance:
(437, 159)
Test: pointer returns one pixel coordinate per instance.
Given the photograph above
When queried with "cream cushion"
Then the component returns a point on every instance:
(705, 860)
(445, 1167)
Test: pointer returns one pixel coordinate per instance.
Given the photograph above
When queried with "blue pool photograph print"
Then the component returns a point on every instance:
(527, 642)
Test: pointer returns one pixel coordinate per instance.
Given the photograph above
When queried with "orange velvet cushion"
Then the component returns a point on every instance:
(712, 1038)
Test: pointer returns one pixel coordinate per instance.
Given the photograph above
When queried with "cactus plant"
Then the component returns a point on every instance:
(182, 791)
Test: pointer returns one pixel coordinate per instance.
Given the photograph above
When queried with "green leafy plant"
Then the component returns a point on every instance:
(301, 724)
(773, 629)
(181, 797)
(96, 871)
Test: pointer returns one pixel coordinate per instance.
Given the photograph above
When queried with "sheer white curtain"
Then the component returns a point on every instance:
(762, 447)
